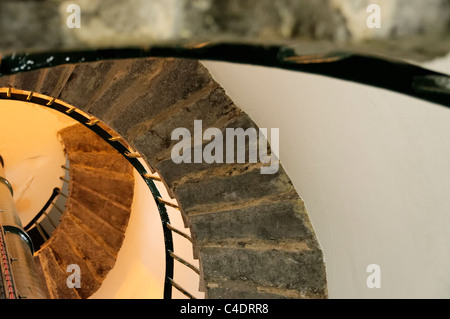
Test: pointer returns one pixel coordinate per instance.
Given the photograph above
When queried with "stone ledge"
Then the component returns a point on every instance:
(271, 268)
(238, 289)
(55, 283)
(279, 220)
(220, 190)
(210, 191)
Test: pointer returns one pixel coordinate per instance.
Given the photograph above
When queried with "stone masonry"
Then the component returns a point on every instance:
(93, 225)
(252, 234)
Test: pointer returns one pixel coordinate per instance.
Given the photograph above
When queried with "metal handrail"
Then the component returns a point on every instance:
(55, 193)
(180, 289)
(184, 262)
(133, 158)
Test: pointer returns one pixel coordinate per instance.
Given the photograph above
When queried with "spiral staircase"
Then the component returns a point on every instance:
(250, 232)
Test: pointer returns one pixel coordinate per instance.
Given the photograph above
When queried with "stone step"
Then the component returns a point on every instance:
(56, 283)
(241, 289)
(271, 221)
(216, 192)
(47, 81)
(7, 81)
(116, 187)
(55, 79)
(212, 106)
(111, 212)
(132, 80)
(28, 81)
(66, 254)
(85, 81)
(92, 228)
(109, 161)
(79, 138)
(99, 228)
(177, 81)
(174, 173)
(271, 268)
(95, 255)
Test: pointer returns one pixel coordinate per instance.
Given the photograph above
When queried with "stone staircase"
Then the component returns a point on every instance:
(251, 232)
(92, 227)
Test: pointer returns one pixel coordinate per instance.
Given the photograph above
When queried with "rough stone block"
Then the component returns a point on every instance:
(40, 273)
(98, 258)
(79, 138)
(178, 80)
(303, 271)
(55, 276)
(229, 289)
(55, 79)
(84, 83)
(131, 81)
(117, 187)
(172, 172)
(279, 220)
(66, 255)
(6, 81)
(217, 191)
(108, 161)
(213, 107)
(29, 24)
(115, 215)
(108, 234)
(28, 80)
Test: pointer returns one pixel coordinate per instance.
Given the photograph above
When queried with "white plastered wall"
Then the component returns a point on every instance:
(373, 168)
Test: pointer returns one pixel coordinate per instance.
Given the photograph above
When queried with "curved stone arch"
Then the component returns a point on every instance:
(251, 232)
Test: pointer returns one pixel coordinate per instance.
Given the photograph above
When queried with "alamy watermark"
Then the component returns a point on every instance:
(74, 279)
(235, 146)
(374, 19)
(74, 19)
(374, 279)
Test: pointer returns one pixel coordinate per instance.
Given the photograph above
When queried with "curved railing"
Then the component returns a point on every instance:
(133, 158)
(35, 223)
(41, 227)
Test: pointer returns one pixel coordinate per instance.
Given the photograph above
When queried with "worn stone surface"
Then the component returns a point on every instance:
(103, 231)
(41, 25)
(6, 81)
(219, 191)
(116, 187)
(84, 82)
(55, 283)
(27, 81)
(274, 268)
(179, 80)
(66, 254)
(107, 210)
(174, 172)
(128, 83)
(100, 160)
(98, 259)
(214, 109)
(54, 80)
(75, 138)
(280, 220)
(92, 228)
(30, 24)
(242, 289)
(250, 230)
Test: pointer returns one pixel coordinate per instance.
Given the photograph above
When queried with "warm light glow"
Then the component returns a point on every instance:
(32, 152)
